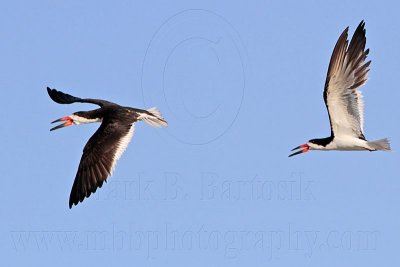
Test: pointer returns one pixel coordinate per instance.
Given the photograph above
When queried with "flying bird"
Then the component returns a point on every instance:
(347, 72)
(107, 144)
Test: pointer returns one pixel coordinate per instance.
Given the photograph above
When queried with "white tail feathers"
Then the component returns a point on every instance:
(382, 144)
(153, 117)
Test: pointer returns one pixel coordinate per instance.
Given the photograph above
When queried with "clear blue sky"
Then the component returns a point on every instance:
(240, 85)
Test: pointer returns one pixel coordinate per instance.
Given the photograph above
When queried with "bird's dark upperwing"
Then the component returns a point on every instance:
(99, 157)
(346, 73)
(63, 98)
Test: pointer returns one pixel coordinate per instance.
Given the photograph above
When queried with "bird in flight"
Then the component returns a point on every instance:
(347, 72)
(107, 144)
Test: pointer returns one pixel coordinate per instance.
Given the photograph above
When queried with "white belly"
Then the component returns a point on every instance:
(347, 143)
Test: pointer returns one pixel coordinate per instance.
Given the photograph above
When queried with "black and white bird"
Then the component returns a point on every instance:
(107, 144)
(347, 72)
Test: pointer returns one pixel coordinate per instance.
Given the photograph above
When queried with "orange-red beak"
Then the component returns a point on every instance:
(305, 148)
(68, 121)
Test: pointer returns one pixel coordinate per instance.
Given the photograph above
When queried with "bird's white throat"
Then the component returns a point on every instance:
(81, 120)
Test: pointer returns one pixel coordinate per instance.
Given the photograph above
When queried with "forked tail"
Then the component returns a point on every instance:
(153, 117)
(381, 144)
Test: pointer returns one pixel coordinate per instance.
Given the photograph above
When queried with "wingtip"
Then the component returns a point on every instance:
(344, 35)
(71, 202)
(361, 27)
(51, 91)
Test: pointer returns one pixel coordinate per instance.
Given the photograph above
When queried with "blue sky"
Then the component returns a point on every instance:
(240, 85)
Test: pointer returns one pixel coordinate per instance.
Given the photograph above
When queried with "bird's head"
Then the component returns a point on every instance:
(316, 144)
(313, 144)
(80, 117)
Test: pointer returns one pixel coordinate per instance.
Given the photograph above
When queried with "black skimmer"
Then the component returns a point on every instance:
(347, 72)
(107, 144)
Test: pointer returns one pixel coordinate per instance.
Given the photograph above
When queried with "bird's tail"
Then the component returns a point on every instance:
(153, 117)
(381, 144)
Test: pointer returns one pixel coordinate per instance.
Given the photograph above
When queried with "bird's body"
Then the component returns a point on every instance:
(107, 144)
(347, 72)
(343, 143)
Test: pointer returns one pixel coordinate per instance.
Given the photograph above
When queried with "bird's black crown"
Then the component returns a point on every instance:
(321, 141)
